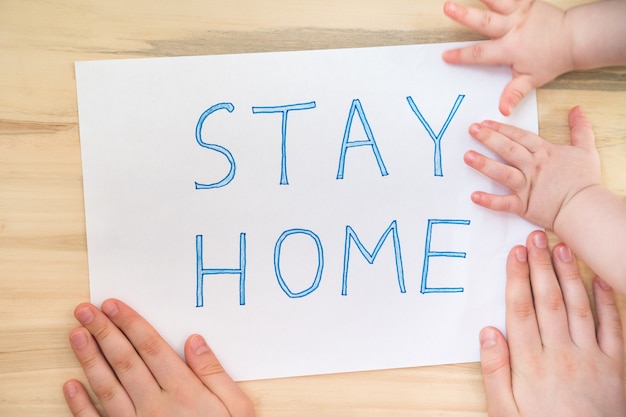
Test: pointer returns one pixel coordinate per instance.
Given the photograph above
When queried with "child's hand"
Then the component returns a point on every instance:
(554, 364)
(543, 177)
(529, 36)
(134, 372)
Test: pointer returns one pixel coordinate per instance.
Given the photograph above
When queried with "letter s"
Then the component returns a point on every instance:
(231, 173)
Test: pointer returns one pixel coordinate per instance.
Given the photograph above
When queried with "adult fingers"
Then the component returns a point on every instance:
(154, 352)
(496, 369)
(129, 368)
(521, 320)
(549, 304)
(207, 367)
(514, 92)
(609, 324)
(78, 400)
(101, 377)
(579, 313)
(486, 22)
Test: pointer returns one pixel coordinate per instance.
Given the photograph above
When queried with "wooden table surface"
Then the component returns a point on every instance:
(43, 254)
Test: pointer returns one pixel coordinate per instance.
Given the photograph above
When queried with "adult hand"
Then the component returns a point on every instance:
(555, 363)
(134, 372)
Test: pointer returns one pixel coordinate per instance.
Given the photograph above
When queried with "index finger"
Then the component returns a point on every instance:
(164, 363)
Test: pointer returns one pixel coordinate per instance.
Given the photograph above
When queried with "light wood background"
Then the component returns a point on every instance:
(43, 254)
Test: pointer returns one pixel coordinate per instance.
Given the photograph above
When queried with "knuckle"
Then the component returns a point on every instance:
(101, 333)
(89, 362)
(210, 368)
(485, 19)
(123, 365)
(524, 309)
(494, 364)
(477, 52)
(148, 348)
(582, 311)
(553, 301)
(105, 392)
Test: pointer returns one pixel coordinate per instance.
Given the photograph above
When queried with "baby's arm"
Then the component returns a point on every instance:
(557, 187)
(540, 41)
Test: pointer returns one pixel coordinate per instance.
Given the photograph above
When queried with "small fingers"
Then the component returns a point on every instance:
(504, 6)
(481, 53)
(485, 22)
(512, 144)
(507, 203)
(610, 329)
(514, 92)
(581, 131)
(504, 174)
(207, 367)
(78, 400)
(496, 368)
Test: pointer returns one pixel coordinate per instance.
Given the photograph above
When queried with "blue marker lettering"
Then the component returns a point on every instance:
(370, 257)
(285, 111)
(345, 144)
(201, 271)
(436, 138)
(320, 262)
(231, 173)
(429, 254)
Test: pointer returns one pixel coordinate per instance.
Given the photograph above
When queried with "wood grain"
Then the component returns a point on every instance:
(43, 253)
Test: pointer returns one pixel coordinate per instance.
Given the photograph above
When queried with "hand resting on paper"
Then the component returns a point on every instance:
(539, 41)
(134, 372)
(557, 187)
(554, 363)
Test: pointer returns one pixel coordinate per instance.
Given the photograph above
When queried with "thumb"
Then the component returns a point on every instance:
(581, 132)
(496, 366)
(514, 92)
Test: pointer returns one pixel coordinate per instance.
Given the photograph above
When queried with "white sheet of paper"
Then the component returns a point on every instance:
(271, 267)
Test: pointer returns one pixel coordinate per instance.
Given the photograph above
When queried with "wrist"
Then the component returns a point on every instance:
(575, 208)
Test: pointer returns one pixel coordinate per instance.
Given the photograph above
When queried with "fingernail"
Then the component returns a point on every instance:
(474, 128)
(565, 254)
(69, 389)
(110, 308)
(78, 339)
(198, 344)
(470, 156)
(540, 240)
(521, 255)
(84, 315)
(488, 124)
(487, 338)
(601, 283)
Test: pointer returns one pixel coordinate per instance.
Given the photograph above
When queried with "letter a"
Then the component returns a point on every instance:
(357, 107)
